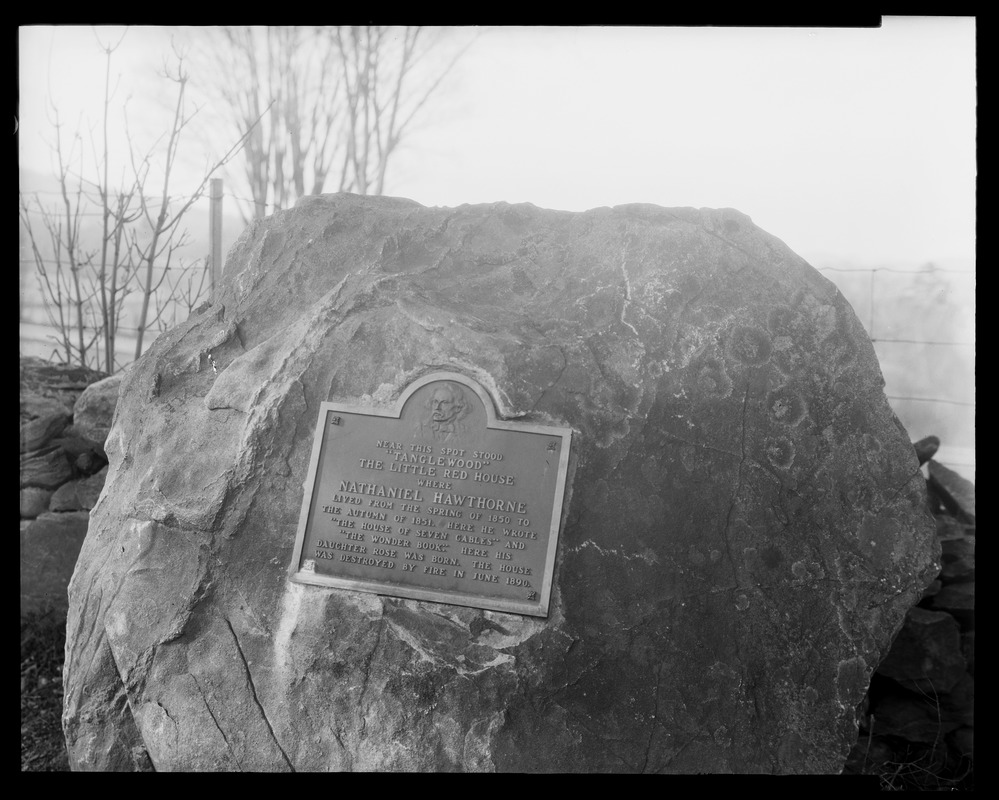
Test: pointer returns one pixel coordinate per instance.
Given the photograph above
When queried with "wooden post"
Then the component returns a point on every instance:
(215, 233)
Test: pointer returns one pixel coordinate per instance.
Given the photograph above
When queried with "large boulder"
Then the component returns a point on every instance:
(744, 527)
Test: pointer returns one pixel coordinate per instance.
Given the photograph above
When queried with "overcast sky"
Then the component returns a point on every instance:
(847, 143)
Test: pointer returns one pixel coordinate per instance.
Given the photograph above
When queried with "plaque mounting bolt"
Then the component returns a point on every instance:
(552, 446)
(334, 420)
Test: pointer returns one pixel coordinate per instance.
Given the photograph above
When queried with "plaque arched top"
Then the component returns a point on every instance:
(433, 497)
(445, 377)
(493, 421)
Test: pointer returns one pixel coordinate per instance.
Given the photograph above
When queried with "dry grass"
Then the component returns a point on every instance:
(43, 748)
(904, 766)
(919, 768)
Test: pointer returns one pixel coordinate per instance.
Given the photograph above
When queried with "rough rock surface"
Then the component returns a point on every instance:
(745, 524)
(94, 410)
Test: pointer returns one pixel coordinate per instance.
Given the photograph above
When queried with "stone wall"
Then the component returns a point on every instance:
(65, 414)
(917, 721)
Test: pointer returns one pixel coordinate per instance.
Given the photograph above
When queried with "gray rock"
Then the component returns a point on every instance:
(34, 501)
(35, 406)
(75, 444)
(957, 559)
(88, 462)
(968, 650)
(926, 654)
(955, 597)
(949, 528)
(956, 493)
(963, 741)
(958, 705)
(38, 432)
(79, 495)
(925, 448)
(45, 469)
(47, 384)
(914, 719)
(50, 545)
(932, 589)
(869, 753)
(737, 478)
(94, 410)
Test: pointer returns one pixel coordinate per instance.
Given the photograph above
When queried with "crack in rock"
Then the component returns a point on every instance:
(253, 694)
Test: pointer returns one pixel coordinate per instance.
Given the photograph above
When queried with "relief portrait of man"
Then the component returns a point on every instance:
(446, 407)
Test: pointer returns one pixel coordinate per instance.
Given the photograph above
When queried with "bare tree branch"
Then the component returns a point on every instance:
(341, 101)
(84, 288)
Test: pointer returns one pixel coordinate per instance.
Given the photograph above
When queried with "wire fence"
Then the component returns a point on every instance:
(156, 267)
(95, 198)
(175, 279)
(929, 380)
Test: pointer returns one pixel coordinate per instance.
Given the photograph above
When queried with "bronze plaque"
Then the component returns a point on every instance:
(436, 499)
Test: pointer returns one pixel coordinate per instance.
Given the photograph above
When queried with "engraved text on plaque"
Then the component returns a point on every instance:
(435, 500)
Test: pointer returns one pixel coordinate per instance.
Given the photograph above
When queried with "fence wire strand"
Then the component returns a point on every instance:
(929, 269)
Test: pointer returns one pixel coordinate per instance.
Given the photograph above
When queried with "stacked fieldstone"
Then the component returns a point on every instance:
(918, 720)
(65, 416)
